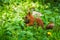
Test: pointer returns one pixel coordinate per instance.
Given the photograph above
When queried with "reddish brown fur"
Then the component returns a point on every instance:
(39, 22)
(50, 26)
(31, 19)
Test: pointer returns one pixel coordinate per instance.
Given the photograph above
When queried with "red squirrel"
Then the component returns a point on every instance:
(30, 19)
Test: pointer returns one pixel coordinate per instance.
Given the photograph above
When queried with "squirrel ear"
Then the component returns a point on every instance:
(29, 13)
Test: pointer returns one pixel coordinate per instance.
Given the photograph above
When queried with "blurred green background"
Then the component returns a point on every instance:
(12, 13)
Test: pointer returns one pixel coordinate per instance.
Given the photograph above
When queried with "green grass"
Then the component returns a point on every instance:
(12, 26)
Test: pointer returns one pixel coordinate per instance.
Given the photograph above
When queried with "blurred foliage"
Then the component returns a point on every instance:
(12, 13)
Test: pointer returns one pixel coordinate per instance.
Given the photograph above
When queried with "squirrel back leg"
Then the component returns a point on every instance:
(40, 22)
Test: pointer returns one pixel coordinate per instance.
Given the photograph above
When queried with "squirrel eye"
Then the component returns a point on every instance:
(26, 17)
(27, 21)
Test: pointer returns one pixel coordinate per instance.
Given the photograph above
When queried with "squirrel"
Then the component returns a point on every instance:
(30, 19)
